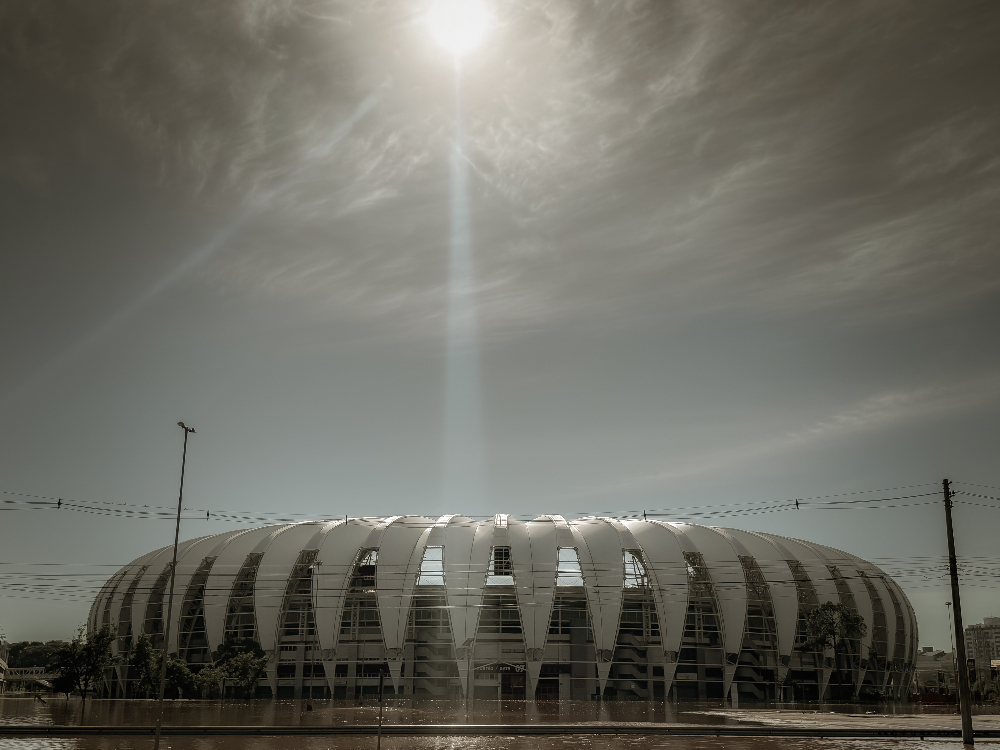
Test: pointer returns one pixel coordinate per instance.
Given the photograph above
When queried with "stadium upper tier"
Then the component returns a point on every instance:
(544, 609)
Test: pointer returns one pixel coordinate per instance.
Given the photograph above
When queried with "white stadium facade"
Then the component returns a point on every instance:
(596, 608)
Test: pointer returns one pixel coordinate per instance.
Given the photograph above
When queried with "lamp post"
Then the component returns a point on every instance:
(170, 598)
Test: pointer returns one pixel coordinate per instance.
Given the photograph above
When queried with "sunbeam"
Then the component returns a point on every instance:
(464, 461)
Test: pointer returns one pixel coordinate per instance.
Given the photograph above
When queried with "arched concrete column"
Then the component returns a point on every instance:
(187, 564)
(535, 561)
(465, 565)
(603, 578)
(729, 584)
(220, 583)
(847, 567)
(339, 544)
(401, 549)
(132, 570)
(664, 558)
(826, 590)
(158, 565)
(271, 584)
(261, 549)
(770, 558)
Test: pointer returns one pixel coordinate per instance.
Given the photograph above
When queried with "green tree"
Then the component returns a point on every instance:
(243, 662)
(245, 669)
(233, 647)
(33, 653)
(85, 660)
(208, 682)
(179, 677)
(830, 626)
(143, 664)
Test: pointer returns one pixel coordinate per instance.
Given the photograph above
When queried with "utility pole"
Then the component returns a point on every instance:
(964, 693)
(170, 599)
(951, 640)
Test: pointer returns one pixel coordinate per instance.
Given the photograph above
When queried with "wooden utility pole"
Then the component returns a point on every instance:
(964, 692)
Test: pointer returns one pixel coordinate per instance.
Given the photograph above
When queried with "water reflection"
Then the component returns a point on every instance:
(405, 711)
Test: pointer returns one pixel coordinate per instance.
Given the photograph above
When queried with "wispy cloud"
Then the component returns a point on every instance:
(672, 159)
(881, 411)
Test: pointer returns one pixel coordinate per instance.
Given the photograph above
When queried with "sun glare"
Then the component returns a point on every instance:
(458, 25)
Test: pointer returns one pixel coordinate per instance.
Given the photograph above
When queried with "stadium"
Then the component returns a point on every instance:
(504, 609)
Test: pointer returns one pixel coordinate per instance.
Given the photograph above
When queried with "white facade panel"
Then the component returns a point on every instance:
(272, 578)
(338, 554)
(131, 571)
(729, 583)
(664, 556)
(784, 598)
(187, 564)
(603, 577)
(158, 563)
(400, 551)
(460, 580)
(220, 583)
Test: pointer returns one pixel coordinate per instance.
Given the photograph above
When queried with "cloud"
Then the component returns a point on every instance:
(666, 160)
(878, 412)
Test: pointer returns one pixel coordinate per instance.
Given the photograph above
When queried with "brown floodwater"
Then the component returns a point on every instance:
(403, 711)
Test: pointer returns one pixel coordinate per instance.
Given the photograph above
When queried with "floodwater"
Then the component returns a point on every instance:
(403, 711)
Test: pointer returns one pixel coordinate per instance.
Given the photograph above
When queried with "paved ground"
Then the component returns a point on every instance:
(831, 719)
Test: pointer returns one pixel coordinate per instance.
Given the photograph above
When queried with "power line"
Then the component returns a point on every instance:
(130, 511)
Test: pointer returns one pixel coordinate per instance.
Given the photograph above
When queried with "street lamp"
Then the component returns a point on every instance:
(170, 599)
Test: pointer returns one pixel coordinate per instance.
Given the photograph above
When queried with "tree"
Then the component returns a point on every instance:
(245, 670)
(63, 684)
(179, 677)
(242, 661)
(233, 647)
(84, 661)
(828, 626)
(143, 665)
(208, 682)
(32, 653)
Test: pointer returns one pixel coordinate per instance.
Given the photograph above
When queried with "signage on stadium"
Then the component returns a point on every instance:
(498, 666)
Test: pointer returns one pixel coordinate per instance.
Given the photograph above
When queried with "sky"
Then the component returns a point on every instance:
(715, 254)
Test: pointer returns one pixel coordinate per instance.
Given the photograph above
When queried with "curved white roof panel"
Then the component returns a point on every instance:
(649, 609)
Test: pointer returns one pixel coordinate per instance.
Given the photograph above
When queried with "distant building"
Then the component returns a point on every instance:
(935, 671)
(548, 609)
(982, 641)
(4, 654)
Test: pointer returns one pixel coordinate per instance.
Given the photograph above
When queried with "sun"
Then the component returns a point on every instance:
(458, 25)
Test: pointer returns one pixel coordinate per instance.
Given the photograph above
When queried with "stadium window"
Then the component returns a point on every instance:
(569, 572)
(501, 571)
(363, 578)
(635, 571)
(432, 567)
